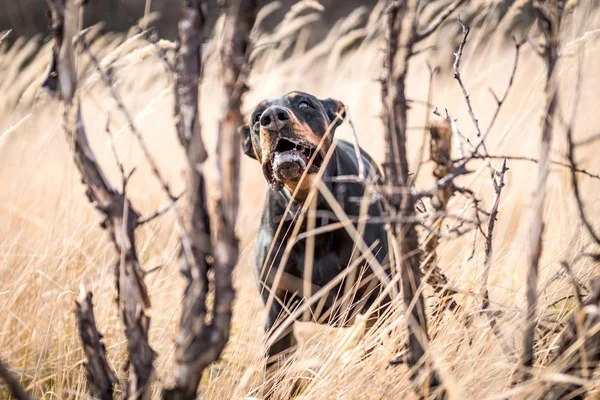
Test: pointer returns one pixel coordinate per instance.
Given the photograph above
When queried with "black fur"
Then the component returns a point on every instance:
(333, 250)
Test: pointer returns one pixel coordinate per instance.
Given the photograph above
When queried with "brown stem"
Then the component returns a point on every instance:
(401, 38)
(100, 377)
(200, 342)
(120, 218)
(549, 15)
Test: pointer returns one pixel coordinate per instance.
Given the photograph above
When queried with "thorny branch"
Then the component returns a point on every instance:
(528, 159)
(497, 178)
(485, 305)
(120, 218)
(457, 76)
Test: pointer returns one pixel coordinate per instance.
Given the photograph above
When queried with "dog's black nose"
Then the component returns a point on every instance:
(274, 118)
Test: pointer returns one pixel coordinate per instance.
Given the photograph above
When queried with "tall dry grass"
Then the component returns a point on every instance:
(50, 240)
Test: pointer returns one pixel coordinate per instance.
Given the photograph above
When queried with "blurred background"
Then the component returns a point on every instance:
(29, 17)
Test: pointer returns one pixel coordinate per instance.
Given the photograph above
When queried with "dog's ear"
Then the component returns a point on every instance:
(335, 110)
(246, 141)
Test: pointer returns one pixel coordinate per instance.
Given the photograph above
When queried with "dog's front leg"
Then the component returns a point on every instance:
(283, 344)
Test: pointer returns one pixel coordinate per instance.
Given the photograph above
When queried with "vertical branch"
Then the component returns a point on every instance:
(100, 376)
(497, 177)
(235, 55)
(120, 218)
(578, 352)
(489, 250)
(549, 17)
(200, 342)
(401, 36)
(196, 241)
(14, 387)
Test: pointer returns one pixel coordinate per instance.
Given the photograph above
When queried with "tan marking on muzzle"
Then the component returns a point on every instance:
(297, 130)
(303, 185)
(265, 143)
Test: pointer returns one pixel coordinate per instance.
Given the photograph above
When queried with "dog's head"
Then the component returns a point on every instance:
(284, 134)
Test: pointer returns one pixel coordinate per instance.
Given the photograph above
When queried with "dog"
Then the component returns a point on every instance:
(292, 136)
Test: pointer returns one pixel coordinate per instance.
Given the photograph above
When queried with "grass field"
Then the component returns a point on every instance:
(51, 242)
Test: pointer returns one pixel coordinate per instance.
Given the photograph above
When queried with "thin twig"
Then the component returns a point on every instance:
(457, 76)
(571, 157)
(439, 20)
(161, 211)
(130, 121)
(488, 262)
(500, 101)
(528, 159)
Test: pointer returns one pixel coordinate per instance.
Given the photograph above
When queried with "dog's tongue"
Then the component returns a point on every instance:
(289, 165)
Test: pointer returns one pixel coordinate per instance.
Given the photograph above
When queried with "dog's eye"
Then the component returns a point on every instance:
(303, 105)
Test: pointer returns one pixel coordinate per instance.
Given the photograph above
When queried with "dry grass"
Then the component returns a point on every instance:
(50, 240)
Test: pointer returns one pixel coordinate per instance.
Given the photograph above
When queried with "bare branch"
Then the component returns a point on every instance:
(400, 39)
(13, 384)
(200, 342)
(120, 218)
(161, 211)
(457, 76)
(549, 16)
(100, 376)
(485, 305)
(500, 101)
(528, 159)
(588, 140)
(189, 344)
(571, 158)
(130, 121)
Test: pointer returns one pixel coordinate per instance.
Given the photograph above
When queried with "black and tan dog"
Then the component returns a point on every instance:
(284, 135)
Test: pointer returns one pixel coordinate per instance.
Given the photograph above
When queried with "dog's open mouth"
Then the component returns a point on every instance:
(289, 160)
